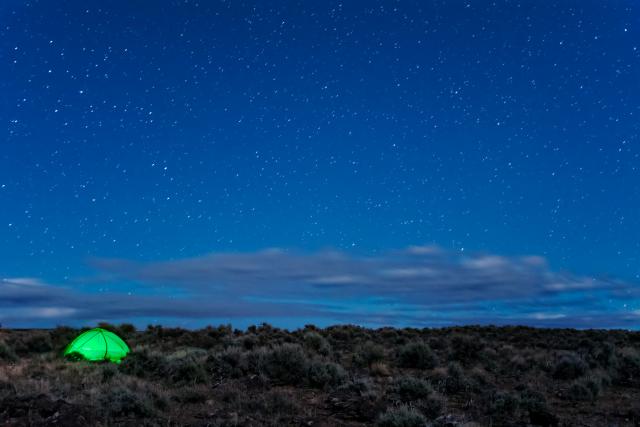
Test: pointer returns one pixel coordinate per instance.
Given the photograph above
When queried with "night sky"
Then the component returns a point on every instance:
(421, 163)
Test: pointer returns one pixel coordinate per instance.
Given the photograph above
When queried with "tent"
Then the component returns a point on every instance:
(97, 344)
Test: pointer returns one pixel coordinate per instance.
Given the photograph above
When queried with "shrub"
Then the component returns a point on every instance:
(532, 400)
(368, 353)
(594, 386)
(431, 406)
(410, 388)
(340, 333)
(174, 333)
(61, 336)
(317, 343)
(602, 377)
(504, 406)
(273, 402)
(255, 360)
(109, 327)
(437, 343)
(568, 367)
(536, 405)
(479, 379)
(628, 367)
(108, 372)
(455, 380)
(38, 343)
(361, 386)
(192, 395)
(605, 355)
(230, 394)
(219, 332)
(357, 399)
(7, 353)
(580, 392)
(200, 339)
(465, 348)
(379, 369)
(127, 328)
(126, 331)
(185, 370)
(518, 364)
(249, 341)
(230, 362)
(7, 388)
(390, 334)
(402, 416)
(285, 363)
(120, 401)
(74, 356)
(416, 355)
(142, 364)
(585, 389)
(322, 374)
(490, 358)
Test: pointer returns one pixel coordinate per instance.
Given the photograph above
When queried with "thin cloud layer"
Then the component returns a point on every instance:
(418, 286)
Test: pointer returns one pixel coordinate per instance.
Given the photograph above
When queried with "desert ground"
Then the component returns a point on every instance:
(337, 376)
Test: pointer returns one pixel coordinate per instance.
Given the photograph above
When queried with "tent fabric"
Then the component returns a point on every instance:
(98, 344)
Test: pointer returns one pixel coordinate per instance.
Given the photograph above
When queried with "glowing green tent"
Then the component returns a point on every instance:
(97, 344)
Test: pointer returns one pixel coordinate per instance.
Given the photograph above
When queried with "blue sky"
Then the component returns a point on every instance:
(153, 133)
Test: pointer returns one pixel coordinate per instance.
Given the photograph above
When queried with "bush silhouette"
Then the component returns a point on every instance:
(569, 366)
(409, 388)
(368, 353)
(416, 355)
(322, 374)
(286, 363)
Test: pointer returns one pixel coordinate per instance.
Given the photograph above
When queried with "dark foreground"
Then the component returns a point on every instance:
(339, 376)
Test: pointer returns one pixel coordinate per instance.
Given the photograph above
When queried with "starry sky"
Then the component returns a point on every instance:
(420, 163)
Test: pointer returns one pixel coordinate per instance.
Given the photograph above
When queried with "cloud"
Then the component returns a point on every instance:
(426, 276)
(546, 316)
(419, 286)
(23, 281)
